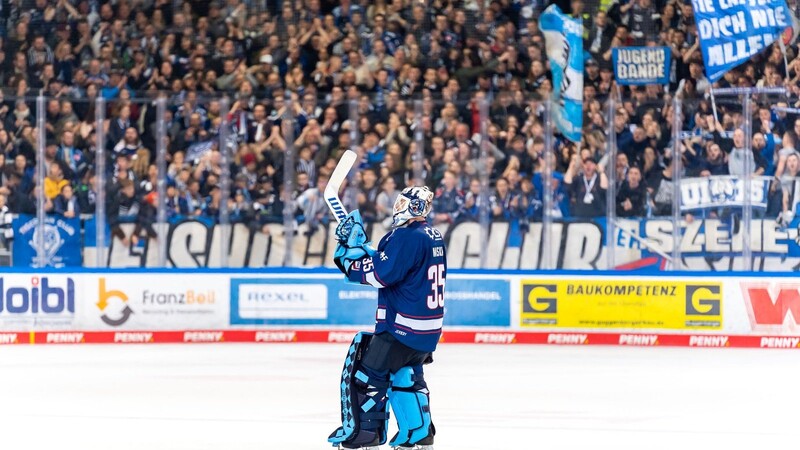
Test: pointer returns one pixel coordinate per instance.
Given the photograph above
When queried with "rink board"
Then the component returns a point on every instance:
(448, 337)
(495, 307)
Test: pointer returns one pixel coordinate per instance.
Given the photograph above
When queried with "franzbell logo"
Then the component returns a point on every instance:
(103, 296)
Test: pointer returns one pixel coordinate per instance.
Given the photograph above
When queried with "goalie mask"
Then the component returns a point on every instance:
(412, 202)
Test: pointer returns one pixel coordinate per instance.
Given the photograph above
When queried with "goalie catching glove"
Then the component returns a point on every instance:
(353, 242)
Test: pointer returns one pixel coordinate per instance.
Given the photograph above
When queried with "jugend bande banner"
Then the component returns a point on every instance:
(641, 65)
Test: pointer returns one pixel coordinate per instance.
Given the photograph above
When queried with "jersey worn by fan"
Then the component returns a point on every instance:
(409, 269)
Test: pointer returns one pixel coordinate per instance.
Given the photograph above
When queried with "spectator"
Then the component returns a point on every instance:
(448, 200)
(71, 156)
(714, 163)
(122, 205)
(632, 195)
(129, 144)
(529, 206)
(600, 35)
(66, 204)
(39, 54)
(504, 201)
(55, 181)
(368, 196)
(470, 209)
(6, 218)
(191, 202)
(737, 159)
(384, 205)
(663, 191)
(212, 203)
(312, 203)
(587, 187)
(86, 193)
(789, 189)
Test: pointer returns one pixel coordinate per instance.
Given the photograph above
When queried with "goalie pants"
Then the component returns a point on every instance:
(385, 353)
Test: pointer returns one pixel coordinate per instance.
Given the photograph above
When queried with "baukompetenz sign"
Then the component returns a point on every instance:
(621, 303)
(705, 244)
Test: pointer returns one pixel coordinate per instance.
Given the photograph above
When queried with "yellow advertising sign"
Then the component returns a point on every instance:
(621, 303)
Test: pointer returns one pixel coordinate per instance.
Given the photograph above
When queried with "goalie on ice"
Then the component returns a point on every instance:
(385, 367)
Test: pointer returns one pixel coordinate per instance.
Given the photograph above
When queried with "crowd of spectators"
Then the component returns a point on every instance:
(320, 77)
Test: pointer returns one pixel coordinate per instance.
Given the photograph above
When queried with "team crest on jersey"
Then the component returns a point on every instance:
(433, 233)
(384, 257)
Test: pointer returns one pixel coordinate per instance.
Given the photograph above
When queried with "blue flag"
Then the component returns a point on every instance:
(61, 243)
(563, 37)
(731, 31)
(641, 65)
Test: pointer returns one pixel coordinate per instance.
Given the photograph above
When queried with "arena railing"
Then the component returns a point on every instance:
(724, 222)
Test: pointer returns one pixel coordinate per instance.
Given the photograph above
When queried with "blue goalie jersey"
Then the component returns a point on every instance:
(409, 269)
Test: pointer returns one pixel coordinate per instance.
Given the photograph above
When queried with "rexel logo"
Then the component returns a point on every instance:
(112, 318)
(773, 307)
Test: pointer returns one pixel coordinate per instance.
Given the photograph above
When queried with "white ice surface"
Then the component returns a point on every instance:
(285, 396)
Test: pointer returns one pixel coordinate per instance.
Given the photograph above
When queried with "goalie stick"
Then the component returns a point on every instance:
(337, 178)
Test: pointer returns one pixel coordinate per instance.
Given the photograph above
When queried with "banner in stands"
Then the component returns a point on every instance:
(621, 303)
(723, 191)
(563, 37)
(705, 245)
(61, 241)
(332, 301)
(641, 65)
(731, 32)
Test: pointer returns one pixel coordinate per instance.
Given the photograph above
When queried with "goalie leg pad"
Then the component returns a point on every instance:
(410, 402)
(364, 413)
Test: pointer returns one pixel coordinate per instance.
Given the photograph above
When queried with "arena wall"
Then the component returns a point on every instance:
(482, 307)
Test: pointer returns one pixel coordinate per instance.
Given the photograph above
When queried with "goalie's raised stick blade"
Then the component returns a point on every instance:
(337, 178)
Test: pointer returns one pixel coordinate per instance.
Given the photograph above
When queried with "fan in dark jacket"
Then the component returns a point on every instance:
(66, 204)
(632, 195)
